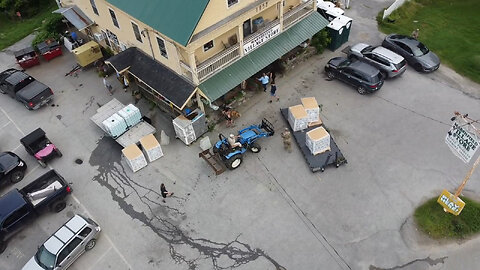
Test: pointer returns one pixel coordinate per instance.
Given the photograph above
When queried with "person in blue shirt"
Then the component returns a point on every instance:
(264, 80)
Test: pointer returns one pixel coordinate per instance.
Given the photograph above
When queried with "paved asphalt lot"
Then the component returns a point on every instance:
(272, 213)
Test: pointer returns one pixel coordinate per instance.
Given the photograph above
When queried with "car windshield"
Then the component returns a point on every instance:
(44, 258)
(344, 63)
(368, 49)
(420, 50)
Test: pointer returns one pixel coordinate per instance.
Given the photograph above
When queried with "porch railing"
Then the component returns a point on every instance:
(297, 13)
(215, 63)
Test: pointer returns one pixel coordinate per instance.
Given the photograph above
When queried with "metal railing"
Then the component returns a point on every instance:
(297, 13)
(215, 63)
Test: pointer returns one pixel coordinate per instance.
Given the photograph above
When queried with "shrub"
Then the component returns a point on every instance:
(321, 40)
(50, 29)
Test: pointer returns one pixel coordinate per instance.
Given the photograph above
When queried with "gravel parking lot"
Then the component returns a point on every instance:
(272, 213)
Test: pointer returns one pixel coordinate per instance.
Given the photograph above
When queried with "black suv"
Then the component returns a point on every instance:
(24, 88)
(12, 168)
(364, 77)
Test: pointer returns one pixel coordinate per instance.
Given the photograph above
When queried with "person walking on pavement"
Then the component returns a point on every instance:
(264, 80)
(287, 140)
(165, 192)
(273, 90)
(107, 85)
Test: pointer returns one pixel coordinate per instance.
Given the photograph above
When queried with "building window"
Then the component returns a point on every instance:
(94, 6)
(136, 31)
(114, 18)
(161, 46)
(231, 2)
(207, 46)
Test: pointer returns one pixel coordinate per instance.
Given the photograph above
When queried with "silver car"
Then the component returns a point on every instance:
(75, 237)
(388, 62)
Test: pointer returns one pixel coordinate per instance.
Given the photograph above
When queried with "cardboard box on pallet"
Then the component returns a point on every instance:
(134, 157)
(311, 107)
(318, 140)
(297, 117)
(151, 148)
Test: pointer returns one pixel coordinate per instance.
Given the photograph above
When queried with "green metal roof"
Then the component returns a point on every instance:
(227, 79)
(176, 19)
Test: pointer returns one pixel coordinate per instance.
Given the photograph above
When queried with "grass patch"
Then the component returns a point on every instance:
(431, 219)
(13, 30)
(449, 28)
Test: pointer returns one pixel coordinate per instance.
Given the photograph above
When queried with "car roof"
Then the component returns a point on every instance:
(10, 202)
(17, 77)
(388, 54)
(63, 235)
(364, 68)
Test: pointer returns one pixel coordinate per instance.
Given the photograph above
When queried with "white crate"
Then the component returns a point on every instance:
(115, 125)
(311, 107)
(151, 148)
(131, 114)
(318, 140)
(134, 157)
(297, 117)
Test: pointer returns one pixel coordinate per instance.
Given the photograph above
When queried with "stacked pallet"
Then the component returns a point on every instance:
(318, 140)
(134, 157)
(313, 111)
(151, 148)
(297, 117)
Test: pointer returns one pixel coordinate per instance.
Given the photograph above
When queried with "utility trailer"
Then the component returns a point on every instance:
(133, 134)
(316, 162)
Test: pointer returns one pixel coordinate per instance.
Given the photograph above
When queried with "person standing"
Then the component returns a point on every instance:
(126, 83)
(287, 140)
(164, 192)
(264, 80)
(273, 90)
(107, 85)
(272, 76)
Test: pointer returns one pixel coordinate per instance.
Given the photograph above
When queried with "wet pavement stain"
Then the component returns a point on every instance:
(112, 176)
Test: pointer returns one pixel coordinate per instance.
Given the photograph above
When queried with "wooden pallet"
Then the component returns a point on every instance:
(213, 160)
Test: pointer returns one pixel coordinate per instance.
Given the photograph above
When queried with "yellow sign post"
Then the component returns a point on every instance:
(451, 203)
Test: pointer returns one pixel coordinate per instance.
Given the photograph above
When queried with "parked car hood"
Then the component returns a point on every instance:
(336, 61)
(32, 265)
(430, 59)
(31, 90)
(358, 47)
(7, 161)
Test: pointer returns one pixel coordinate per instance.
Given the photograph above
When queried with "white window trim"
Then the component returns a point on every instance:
(164, 43)
(238, 1)
(213, 43)
(139, 31)
(116, 18)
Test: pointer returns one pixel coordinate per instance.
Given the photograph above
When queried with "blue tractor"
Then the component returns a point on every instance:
(247, 137)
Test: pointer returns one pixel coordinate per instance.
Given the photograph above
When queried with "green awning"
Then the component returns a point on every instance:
(227, 79)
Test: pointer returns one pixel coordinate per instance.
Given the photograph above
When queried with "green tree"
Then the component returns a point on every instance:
(321, 40)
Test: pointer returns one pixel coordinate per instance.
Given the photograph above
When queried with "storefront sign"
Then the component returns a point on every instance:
(463, 141)
(451, 203)
(260, 39)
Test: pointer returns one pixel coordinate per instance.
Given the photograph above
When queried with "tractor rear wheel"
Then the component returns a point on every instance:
(255, 148)
(234, 162)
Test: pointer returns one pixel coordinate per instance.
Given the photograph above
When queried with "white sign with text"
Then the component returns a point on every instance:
(253, 44)
(463, 141)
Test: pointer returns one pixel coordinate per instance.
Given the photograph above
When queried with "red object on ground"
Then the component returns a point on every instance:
(52, 53)
(49, 49)
(27, 58)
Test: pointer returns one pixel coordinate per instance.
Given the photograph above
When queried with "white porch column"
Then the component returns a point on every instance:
(240, 39)
(280, 14)
(193, 67)
(199, 102)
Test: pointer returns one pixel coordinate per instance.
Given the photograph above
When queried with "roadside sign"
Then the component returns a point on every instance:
(463, 141)
(451, 203)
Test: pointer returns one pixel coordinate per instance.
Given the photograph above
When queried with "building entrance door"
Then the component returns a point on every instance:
(247, 28)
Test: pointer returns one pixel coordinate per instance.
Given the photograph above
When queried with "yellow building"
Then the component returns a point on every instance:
(180, 50)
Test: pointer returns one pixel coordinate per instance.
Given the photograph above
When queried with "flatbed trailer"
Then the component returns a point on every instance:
(133, 134)
(316, 162)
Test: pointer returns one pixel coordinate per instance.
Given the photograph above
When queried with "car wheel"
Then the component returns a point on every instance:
(58, 206)
(42, 163)
(59, 153)
(330, 75)
(418, 67)
(90, 244)
(361, 90)
(234, 162)
(16, 176)
(3, 246)
(255, 148)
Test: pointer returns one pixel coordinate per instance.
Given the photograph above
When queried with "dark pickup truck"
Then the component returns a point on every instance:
(24, 88)
(19, 207)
